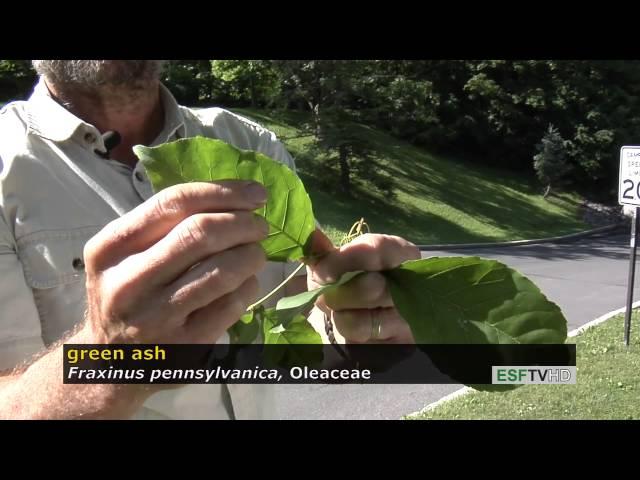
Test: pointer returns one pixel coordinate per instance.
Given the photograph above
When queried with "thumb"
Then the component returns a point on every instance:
(320, 246)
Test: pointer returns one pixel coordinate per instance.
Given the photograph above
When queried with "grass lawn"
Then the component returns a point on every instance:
(607, 388)
(438, 200)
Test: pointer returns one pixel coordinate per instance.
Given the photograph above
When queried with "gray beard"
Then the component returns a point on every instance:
(89, 74)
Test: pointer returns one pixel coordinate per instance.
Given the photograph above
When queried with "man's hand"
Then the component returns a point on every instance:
(362, 310)
(180, 268)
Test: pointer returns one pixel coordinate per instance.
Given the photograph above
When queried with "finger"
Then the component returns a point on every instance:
(213, 278)
(193, 240)
(369, 252)
(368, 290)
(320, 246)
(149, 222)
(209, 323)
(357, 326)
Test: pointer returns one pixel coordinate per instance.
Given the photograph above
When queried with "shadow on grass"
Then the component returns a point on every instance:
(383, 216)
(503, 201)
(491, 197)
(280, 118)
(486, 201)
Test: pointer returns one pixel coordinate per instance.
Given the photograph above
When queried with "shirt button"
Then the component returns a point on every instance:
(89, 137)
(139, 177)
(78, 264)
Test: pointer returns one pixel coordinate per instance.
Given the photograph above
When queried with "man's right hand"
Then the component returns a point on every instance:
(180, 268)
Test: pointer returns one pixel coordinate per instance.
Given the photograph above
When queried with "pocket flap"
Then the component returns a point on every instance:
(52, 258)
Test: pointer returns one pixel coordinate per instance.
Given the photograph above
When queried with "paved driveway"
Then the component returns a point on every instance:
(586, 278)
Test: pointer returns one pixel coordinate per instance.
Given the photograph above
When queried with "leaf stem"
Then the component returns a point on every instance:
(275, 290)
(356, 230)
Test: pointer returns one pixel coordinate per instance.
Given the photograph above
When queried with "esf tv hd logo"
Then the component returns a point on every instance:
(533, 375)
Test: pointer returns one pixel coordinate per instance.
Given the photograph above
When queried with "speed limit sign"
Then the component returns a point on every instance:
(629, 180)
(629, 194)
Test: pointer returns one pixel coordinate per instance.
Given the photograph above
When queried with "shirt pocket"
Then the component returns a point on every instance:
(53, 267)
(52, 258)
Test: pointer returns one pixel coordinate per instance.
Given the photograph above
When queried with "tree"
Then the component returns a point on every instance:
(551, 163)
(492, 112)
(17, 79)
(253, 82)
(312, 83)
(342, 139)
(189, 80)
(401, 99)
(334, 91)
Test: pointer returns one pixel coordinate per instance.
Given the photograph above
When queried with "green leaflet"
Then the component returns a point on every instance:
(288, 352)
(245, 331)
(285, 320)
(289, 339)
(289, 307)
(471, 300)
(288, 209)
(298, 330)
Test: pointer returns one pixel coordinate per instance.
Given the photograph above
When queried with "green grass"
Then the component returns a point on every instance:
(607, 388)
(438, 200)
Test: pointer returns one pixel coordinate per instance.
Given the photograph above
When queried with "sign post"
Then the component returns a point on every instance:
(629, 194)
(632, 271)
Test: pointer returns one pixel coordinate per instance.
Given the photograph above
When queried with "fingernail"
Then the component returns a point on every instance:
(256, 193)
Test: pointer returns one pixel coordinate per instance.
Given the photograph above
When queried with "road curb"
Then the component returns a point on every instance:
(465, 390)
(517, 243)
(601, 319)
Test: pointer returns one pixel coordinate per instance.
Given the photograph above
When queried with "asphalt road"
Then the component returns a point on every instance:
(586, 278)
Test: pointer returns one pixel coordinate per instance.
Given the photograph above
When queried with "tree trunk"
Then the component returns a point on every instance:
(547, 191)
(315, 112)
(252, 90)
(345, 181)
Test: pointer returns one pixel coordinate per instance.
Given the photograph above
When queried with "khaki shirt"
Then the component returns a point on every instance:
(56, 193)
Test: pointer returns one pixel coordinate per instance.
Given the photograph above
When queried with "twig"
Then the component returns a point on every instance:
(275, 290)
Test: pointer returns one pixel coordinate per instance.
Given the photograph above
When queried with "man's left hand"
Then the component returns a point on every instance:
(362, 310)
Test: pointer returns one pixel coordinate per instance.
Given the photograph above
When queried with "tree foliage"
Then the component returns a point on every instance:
(17, 79)
(493, 112)
(551, 163)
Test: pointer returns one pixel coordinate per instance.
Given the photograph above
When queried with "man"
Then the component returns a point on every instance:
(88, 254)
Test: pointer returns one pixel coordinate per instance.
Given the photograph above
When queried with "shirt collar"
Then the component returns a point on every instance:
(174, 125)
(48, 119)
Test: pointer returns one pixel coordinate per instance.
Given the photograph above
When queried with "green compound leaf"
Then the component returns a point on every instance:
(288, 209)
(468, 300)
(455, 300)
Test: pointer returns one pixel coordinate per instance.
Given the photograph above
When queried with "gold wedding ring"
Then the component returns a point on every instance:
(376, 326)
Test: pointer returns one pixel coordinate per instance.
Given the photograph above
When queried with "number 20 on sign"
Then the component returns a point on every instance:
(629, 182)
